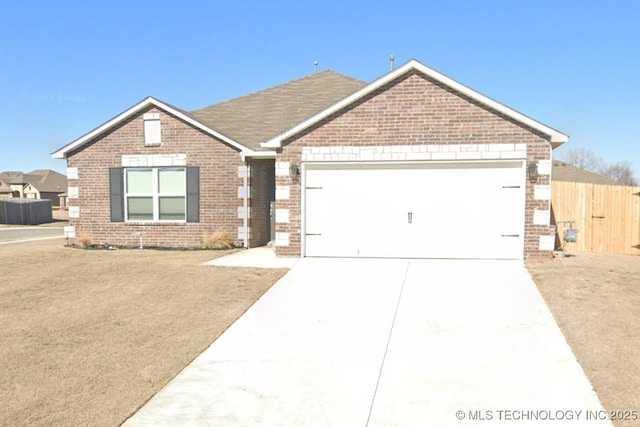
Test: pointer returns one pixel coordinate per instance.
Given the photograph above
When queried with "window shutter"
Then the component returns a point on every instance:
(193, 194)
(116, 198)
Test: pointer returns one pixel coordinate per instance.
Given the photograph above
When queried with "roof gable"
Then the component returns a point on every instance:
(47, 180)
(259, 116)
(137, 108)
(556, 138)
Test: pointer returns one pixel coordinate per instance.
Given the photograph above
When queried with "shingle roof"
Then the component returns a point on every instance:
(47, 180)
(4, 188)
(259, 116)
(13, 177)
(563, 171)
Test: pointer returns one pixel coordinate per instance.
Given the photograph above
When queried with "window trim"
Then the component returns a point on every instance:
(155, 195)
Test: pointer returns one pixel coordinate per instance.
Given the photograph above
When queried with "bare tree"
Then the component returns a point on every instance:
(584, 159)
(621, 172)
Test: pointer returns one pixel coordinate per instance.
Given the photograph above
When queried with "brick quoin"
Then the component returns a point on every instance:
(219, 182)
(415, 110)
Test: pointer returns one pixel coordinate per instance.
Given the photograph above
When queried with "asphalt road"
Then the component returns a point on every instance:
(19, 234)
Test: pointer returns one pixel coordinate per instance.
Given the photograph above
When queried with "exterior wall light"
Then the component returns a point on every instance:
(294, 170)
(532, 171)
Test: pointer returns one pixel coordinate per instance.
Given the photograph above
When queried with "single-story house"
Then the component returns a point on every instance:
(45, 184)
(413, 164)
(37, 184)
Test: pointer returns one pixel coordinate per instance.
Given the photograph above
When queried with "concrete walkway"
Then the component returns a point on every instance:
(262, 257)
(357, 342)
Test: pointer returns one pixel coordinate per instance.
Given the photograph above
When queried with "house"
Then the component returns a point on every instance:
(37, 184)
(413, 164)
(16, 181)
(45, 184)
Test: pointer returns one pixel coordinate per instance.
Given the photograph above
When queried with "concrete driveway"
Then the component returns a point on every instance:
(362, 342)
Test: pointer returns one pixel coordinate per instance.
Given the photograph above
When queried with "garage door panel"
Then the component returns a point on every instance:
(432, 211)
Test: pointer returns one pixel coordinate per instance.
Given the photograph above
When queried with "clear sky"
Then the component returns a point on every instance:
(68, 66)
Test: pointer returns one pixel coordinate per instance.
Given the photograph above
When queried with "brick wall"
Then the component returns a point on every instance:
(415, 112)
(219, 183)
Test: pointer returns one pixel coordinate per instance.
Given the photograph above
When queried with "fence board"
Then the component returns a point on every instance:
(608, 216)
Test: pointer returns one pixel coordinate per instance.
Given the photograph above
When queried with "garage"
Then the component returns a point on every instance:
(467, 210)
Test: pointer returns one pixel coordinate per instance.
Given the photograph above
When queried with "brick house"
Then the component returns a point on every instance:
(413, 164)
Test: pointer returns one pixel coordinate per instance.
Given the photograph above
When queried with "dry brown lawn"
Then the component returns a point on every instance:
(88, 336)
(595, 298)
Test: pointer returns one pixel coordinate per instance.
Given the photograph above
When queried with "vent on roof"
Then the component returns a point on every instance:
(391, 59)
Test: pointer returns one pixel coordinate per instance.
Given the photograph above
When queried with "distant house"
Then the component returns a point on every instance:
(38, 184)
(563, 171)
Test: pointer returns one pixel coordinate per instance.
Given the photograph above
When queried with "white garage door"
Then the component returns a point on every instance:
(457, 210)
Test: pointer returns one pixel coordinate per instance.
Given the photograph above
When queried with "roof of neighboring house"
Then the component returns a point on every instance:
(47, 180)
(555, 137)
(563, 171)
(4, 188)
(13, 177)
(260, 116)
(44, 180)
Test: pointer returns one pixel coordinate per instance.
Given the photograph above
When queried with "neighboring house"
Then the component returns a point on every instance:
(37, 184)
(563, 171)
(16, 181)
(5, 189)
(45, 184)
(413, 164)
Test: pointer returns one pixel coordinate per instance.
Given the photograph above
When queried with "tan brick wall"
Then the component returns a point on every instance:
(413, 110)
(219, 184)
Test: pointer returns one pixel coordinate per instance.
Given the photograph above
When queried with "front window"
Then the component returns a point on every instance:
(155, 194)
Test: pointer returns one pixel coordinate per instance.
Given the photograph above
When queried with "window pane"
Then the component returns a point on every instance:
(172, 208)
(172, 181)
(140, 208)
(139, 181)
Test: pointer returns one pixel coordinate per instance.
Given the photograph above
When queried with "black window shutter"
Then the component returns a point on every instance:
(116, 196)
(193, 194)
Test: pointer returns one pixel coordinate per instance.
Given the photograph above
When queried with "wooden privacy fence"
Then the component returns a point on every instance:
(608, 216)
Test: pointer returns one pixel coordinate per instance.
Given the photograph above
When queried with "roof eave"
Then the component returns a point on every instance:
(64, 151)
(556, 138)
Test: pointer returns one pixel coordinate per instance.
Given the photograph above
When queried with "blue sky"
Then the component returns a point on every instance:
(67, 67)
